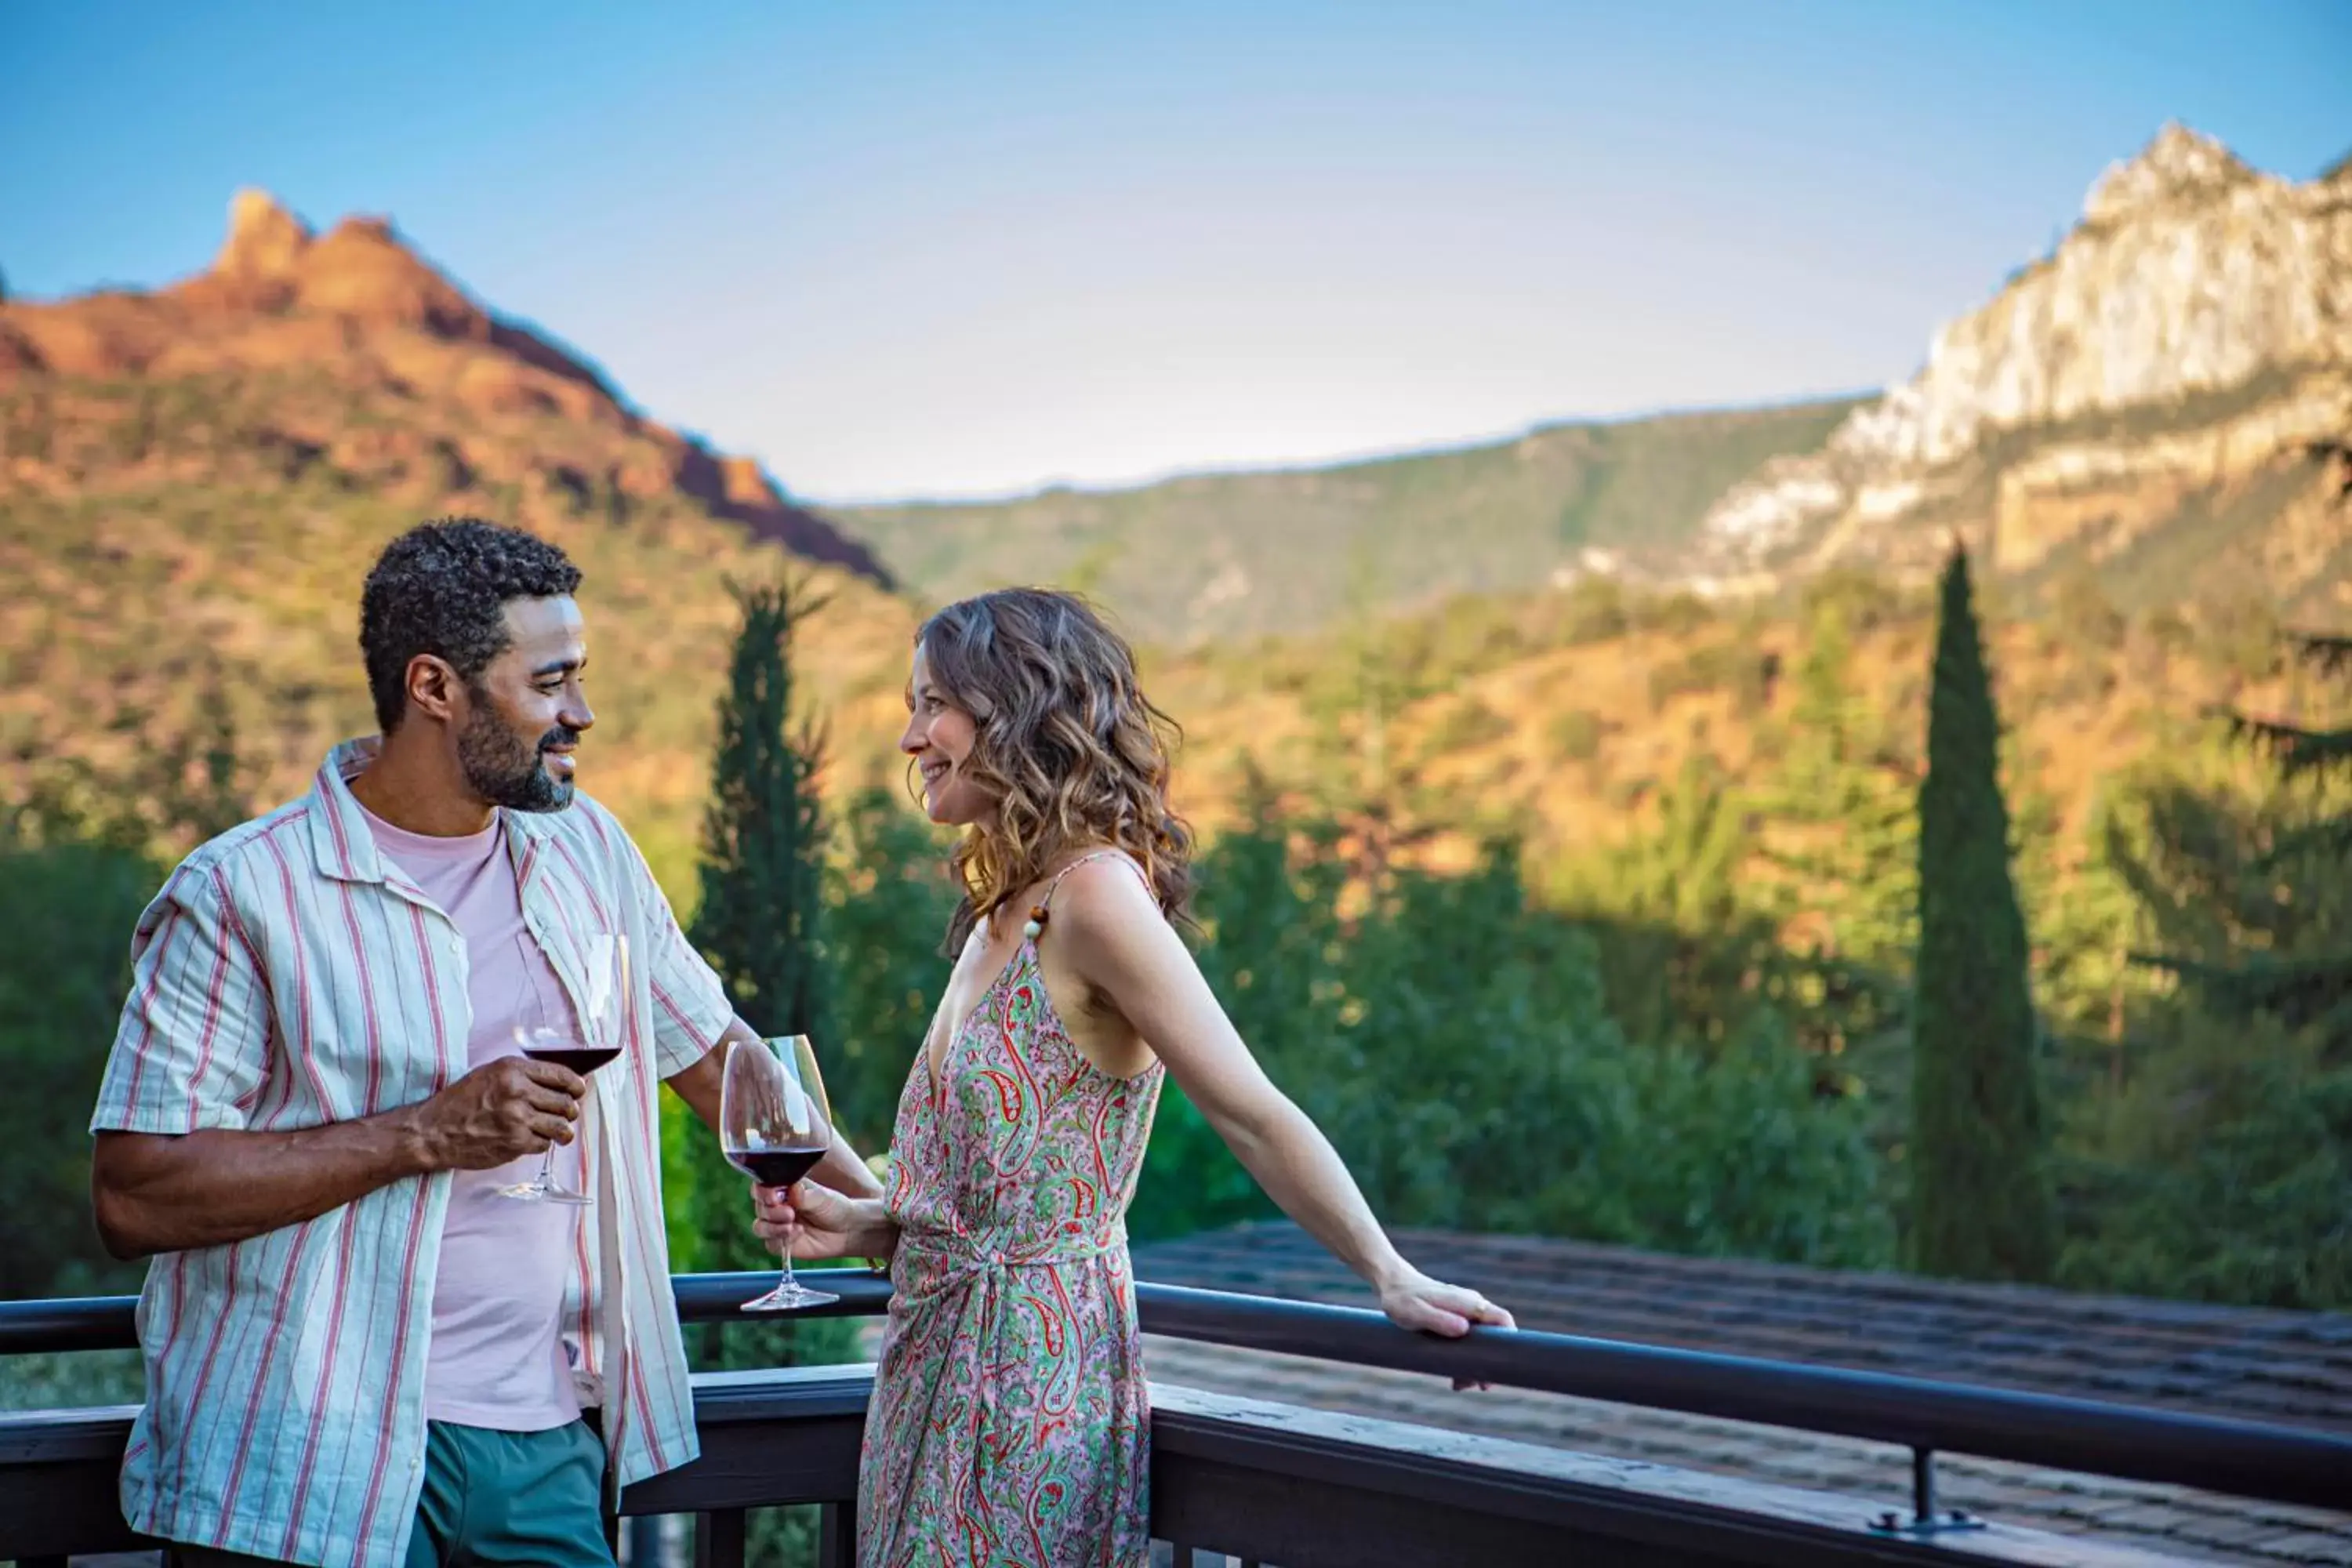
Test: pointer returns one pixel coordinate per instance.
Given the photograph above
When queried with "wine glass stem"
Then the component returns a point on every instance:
(547, 1167)
(789, 1283)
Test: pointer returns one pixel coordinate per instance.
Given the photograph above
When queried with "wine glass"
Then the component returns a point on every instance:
(548, 1032)
(774, 1127)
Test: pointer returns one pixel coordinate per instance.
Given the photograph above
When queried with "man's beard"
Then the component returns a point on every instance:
(507, 770)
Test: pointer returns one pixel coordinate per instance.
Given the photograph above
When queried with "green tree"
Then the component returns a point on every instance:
(183, 786)
(2222, 1167)
(758, 924)
(1840, 849)
(1269, 934)
(2312, 989)
(1453, 1039)
(1980, 1205)
(69, 908)
(763, 832)
(887, 902)
(1682, 950)
(81, 851)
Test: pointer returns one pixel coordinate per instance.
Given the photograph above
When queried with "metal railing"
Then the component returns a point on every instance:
(2275, 1464)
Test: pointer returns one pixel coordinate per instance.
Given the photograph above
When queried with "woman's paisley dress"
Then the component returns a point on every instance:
(1010, 1422)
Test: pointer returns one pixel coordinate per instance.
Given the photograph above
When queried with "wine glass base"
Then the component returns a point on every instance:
(788, 1297)
(531, 1193)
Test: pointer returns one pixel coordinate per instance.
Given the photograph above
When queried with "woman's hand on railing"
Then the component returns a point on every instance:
(818, 1223)
(1414, 1300)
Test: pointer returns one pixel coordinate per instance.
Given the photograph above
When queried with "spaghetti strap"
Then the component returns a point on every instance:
(1043, 908)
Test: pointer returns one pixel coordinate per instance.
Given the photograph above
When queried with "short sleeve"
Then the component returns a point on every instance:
(690, 1005)
(192, 1046)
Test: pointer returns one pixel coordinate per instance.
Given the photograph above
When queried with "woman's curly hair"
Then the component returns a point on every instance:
(1066, 741)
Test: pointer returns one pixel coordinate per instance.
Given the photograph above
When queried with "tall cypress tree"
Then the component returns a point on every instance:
(764, 831)
(1980, 1187)
(762, 882)
(758, 924)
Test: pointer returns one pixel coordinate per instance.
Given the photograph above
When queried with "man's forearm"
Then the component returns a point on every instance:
(844, 1171)
(162, 1192)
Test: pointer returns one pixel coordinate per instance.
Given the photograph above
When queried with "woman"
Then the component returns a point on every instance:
(1009, 1423)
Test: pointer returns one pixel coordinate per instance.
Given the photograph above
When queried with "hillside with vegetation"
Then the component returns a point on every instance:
(1223, 556)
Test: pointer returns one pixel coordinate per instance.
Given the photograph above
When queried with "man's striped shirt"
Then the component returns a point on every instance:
(289, 975)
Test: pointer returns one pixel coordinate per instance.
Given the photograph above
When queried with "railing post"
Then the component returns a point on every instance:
(645, 1535)
(718, 1539)
(1924, 1510)
(837, 1535)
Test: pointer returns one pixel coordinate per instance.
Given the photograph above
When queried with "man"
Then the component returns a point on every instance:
(358, 1351)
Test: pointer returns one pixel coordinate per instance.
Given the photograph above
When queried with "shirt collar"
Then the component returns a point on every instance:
(341, 844)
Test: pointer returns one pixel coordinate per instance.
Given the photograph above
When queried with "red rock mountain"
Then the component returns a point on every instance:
(392, 376)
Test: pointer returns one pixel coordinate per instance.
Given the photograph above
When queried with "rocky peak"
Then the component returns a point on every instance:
(265, 241)
(362, 269)
(2179, 163)
(2192, 334)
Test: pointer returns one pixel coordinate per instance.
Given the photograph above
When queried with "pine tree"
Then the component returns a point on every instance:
(757, 925)
(1841, 849)
(1684, 953)
(2311, 989)
(2220, 1169)
(1980, 1187)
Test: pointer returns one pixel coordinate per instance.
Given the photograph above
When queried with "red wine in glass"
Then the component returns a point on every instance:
(548, 1032)
(581, 1059)
(775, 1167)
(775, 1126)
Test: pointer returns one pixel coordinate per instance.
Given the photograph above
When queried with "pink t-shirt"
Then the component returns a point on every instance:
(497, 1357)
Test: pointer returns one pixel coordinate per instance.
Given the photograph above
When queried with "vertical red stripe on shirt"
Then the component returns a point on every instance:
(323, 1389)
(302, 1047)
(159, 943)
(210, 1029)
(589, 1359)
(195, 1400)
(392, 1406)
(273, 1341)
(301, 1040)
(300, 1043)
(587, 885)
(367, 1003)
(647, 1426)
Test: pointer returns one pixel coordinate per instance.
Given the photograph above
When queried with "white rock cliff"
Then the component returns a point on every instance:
(2191, 334)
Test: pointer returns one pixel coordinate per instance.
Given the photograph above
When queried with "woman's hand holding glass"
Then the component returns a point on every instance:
(809, 1222)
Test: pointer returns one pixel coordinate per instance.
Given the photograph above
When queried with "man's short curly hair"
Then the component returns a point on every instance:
(442, 588)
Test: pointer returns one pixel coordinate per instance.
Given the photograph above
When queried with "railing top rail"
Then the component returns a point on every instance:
(2280, 1464)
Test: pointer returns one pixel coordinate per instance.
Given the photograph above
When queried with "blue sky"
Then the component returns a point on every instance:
(900, 249)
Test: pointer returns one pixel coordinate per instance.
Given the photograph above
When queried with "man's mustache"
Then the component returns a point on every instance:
(558, 736)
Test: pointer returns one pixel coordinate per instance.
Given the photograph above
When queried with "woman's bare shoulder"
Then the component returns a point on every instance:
(1102, 896)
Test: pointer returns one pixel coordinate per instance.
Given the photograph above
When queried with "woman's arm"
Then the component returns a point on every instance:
(1114, 937)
